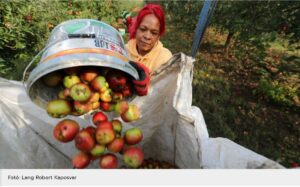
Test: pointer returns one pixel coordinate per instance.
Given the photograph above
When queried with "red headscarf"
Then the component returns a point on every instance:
(148, 9)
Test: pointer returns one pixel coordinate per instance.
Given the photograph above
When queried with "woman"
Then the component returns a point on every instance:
(144, 46)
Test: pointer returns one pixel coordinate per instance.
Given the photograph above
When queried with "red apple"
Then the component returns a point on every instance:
(99, 84)
(133, 157)
(82, 108)
(84, 141)
(125, 147)
(93, 158)
(116, 80)
(105, 135)
(126, 91)
(104, 124)
(133, 136)
(52, 79)
(81, 160)
(99, 117)
(117, 125)
(98, 150)
(88, 75)
(116, 145)
(108, 161)
(71, 80)
(107, 106)
(80, 92)
(91, 130)
(66, 130)
(59, 108)
(121, 107)
(132, 114)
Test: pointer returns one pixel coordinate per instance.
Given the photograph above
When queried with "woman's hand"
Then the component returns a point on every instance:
(141, 85)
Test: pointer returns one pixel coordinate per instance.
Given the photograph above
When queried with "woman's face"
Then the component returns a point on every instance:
(147, 34)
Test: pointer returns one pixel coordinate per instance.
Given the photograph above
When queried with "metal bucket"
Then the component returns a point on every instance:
(80, 42)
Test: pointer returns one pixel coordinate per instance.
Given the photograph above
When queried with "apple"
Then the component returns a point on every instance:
(125, 147)
(294, 164)
(95, 96)
(58, 108)
(133, 136)
(80, 92)
(108, 161)
(117, 125)
(93, 158)
(104, 124)
(91, 130)
(106, 96)
(84, 141)
(72, 70)
(98, 150)
(116, 145)
(131, 114)
(75, 113)
(71, 80)
(133, 157)
(66, 130)
(121, 107)
(52, 79)
(126, 91)
(116, 79)
(81, 160)
(61, 95)
(117, 97)
(105, 135)
(99, 117)
(95, 105)
(88, 75)
(99, 84)
(107, 106)
(67, 92)
(82, 108)
(64, 94)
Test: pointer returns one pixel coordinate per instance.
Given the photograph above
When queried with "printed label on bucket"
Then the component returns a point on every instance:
(75, 46)
(85, 36)
(86, 27)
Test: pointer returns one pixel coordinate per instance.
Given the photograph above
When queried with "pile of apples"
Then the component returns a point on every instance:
(102, 140)
(87, 89)
(92, 90)
(151, 163)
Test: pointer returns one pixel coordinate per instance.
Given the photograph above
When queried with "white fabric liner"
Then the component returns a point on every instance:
(174, 130)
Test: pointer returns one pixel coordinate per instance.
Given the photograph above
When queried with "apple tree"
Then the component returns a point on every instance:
(257, 22)
(252, 24)
(25, 27)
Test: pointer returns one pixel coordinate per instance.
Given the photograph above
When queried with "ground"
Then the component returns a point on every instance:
(254, 104)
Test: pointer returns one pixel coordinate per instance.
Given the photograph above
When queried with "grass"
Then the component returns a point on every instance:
(234, 102)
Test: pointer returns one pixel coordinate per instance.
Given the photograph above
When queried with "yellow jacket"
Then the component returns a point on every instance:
(152, 60)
